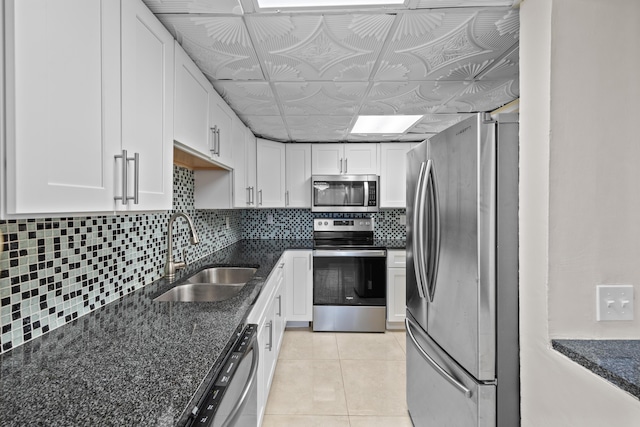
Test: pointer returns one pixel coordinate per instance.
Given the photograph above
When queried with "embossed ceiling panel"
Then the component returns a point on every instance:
(305, 75)
(219, 45)
(319, 47)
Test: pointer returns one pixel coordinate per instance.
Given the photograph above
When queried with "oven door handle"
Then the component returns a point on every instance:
(363, 253)
(237, 408)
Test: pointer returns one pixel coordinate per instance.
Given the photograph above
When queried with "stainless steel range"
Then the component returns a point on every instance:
(349, 276)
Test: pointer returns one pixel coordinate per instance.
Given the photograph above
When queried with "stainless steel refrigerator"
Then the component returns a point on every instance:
(462, 276)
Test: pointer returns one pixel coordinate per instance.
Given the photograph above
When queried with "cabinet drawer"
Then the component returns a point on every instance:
(396, 258)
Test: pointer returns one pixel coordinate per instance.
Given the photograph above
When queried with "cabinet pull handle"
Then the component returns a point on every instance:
(310, 259)
(270, 325)
(249, 195)
(279, 305)
(260, 197)
(286, 198)
(253, 195)
(125, 177)
(218, 142)
(214, 132)
(345, 165)
(341, 165)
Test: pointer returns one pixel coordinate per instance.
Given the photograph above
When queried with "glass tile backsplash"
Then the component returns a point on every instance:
(55, 270)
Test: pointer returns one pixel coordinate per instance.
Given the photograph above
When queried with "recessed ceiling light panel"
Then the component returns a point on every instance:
(384, 124)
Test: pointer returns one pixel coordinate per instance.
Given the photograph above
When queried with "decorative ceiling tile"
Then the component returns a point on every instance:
(434, 123)
(506, 67)
(268, 127)
(434, 44)
(320, 47)
(318, 128)
(489, 95)
(219, 45)
(194, 6)
(248, 98)
(321, 98)
(409, 98)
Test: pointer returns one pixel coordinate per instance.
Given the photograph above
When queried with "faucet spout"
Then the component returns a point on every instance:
(172, 266)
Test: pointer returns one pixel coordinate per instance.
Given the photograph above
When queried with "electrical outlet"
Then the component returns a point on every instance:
(614, 302)
(269, 218)
(226, 220)
(402, 220)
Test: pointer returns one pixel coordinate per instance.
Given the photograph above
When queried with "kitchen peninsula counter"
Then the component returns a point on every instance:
(617, 361)
(133, 361)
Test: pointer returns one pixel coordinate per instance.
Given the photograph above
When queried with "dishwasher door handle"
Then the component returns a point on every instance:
(237, 408)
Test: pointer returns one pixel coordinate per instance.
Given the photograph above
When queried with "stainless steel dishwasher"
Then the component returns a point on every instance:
(231, 398)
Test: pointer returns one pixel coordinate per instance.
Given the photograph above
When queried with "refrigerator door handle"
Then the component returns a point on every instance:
(434, 229)
(417, 244)
(434, 365)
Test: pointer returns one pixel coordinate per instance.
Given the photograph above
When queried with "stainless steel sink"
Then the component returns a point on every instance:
(209, 285)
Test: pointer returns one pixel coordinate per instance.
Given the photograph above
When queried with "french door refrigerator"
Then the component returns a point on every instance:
(462, 276)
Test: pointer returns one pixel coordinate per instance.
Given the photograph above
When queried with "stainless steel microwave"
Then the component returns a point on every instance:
(344, 193)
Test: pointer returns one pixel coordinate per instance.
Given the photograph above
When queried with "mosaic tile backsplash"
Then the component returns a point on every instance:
(55, 270)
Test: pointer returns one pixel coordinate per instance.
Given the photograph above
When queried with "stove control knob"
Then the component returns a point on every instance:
(360, 223)
(367, 223)
(326, 223)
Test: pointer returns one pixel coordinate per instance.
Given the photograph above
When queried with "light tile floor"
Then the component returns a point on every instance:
(339, 379)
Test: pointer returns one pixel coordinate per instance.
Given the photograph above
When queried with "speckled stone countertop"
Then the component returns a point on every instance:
(134, 361)
(617, 361)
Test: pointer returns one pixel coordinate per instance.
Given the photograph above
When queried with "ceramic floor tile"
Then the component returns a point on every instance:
(369, 346)
(305, 421)
(401, 337)
(376, 387)
(361, 421)
(308, 387)
(307, 345)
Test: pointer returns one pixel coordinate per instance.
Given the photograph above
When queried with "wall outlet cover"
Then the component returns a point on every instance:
(614, 302)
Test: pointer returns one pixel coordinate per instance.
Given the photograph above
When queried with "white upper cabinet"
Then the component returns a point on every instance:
(65, 131)
(393, 174)
(244, 172)
(221, 127)
(191, 112)
(352, 159)
(298, 176)
(270, 174)
(147, 105)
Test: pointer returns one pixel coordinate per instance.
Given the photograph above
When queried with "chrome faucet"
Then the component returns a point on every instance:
(172, 266)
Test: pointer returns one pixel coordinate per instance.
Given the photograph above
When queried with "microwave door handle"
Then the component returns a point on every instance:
(244, 396)
(454, 382)
(365, 198)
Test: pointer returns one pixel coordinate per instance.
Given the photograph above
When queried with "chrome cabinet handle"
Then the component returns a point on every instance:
(340, 164)
(270, 325)
(253, 195)
(442, 372)
(260, 197)
(125, 177)
(286, 198)
(248, 195)
(213, 131)
(279, 305)
(310, 261)
(345, 165)
(218, 142)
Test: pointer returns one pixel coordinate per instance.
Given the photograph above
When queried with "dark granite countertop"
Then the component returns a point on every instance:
(133, 361)
(617, 361)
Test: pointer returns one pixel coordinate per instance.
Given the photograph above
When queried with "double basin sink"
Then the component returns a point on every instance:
(210, 285)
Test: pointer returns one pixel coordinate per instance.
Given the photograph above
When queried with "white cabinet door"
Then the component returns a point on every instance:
(251, 164)
(241, 194)
(352, 159)
(326, 159)
(61, 132)
(396, 285)
(191, 130)
(147, 105)
(298, 175)
(299, 284)
(361, 159)
(393, 179)
(270, 174)
(268, 358)
(221, 124)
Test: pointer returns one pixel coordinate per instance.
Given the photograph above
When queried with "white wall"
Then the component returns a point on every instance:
(569, 240)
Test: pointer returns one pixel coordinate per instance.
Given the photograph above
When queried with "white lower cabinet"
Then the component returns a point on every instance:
(396, 287)
(299, 285)
(269, 313)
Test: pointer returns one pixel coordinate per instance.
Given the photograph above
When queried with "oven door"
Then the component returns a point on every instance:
(349, 277)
